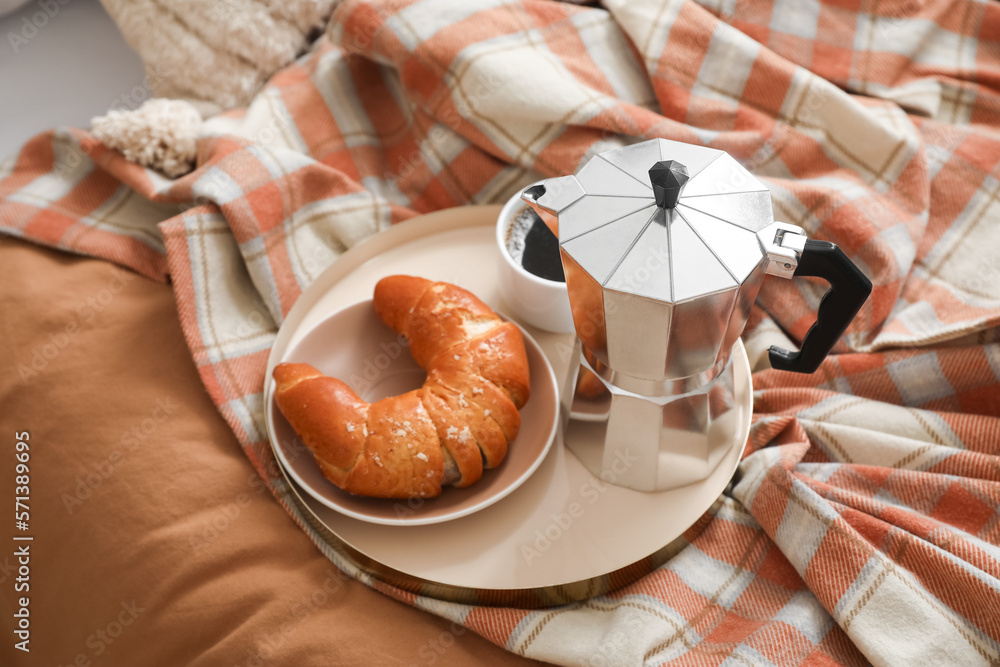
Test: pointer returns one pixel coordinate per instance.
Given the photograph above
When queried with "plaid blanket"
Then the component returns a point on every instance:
(865, 522)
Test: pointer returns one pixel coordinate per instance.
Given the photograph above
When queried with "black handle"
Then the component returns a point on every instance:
(849, 289)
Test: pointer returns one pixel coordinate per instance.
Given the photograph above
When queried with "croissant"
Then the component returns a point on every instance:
(447, 431)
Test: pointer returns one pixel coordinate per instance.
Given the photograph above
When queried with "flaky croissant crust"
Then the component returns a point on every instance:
(447, 431)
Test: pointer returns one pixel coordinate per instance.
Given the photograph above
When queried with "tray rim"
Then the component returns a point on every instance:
(416, 228)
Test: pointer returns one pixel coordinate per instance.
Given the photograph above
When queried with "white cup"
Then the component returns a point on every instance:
(539, 302)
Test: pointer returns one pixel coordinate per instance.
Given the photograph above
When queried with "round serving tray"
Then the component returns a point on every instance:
(564, 534)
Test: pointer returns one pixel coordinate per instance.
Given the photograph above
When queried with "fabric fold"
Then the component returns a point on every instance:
(863, 522)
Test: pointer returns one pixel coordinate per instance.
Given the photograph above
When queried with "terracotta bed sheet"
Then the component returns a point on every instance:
(155, 541)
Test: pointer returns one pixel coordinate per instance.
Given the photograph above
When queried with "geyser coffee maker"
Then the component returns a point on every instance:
(664, 246)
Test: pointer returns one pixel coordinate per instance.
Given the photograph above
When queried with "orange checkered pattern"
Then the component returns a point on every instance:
(864, 523)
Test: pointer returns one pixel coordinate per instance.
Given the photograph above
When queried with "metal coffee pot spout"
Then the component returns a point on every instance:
(664, 246)
(551, 196)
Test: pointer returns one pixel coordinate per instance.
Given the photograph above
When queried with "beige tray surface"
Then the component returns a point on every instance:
(564, 534)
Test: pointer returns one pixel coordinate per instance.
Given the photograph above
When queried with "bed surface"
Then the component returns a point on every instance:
(145, 512)
(862, 527)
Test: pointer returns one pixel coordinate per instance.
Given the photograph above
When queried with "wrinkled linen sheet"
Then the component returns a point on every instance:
(864, 523)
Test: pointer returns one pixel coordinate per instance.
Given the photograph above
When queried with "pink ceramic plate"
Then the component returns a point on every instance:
(355, 346)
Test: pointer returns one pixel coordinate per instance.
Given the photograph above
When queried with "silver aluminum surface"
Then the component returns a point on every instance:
(660, 294)
(676, 440)
(664, 246)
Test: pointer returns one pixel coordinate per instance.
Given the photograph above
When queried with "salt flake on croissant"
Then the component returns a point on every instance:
(447, 431)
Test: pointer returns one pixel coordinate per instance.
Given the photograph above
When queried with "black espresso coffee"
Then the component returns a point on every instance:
(532, 245)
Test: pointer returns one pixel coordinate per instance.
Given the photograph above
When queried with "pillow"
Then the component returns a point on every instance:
(216, 54)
